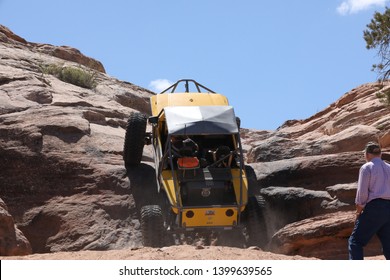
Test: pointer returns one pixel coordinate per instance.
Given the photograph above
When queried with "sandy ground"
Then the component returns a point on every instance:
(182, 252)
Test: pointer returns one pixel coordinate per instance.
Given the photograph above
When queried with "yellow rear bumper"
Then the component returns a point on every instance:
(209, 217)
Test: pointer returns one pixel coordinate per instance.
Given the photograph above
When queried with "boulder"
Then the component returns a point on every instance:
(101, 221)
(12, 240)
(310, 172)
(285, 205)
(323, 236)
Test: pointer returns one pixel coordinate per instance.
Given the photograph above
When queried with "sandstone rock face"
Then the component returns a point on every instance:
(65, 188)
(62, 175)
(63, 52)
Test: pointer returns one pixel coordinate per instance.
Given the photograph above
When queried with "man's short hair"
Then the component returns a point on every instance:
(372, 148)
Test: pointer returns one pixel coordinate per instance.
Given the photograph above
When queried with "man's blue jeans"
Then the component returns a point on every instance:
(375, 219)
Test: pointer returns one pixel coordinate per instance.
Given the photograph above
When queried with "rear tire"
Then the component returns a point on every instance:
(255, 221)
(134, 138)
(152, 226)
(253, 187)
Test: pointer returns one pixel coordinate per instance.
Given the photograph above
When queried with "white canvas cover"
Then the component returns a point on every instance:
(200, 120)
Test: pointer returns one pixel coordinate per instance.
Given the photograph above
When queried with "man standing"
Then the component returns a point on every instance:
(372, 204)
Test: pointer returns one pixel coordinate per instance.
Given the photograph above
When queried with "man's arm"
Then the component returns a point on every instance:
(363, 185)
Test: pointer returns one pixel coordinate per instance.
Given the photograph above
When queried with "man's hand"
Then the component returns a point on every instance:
(359, 210)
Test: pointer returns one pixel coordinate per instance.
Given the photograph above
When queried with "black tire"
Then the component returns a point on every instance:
(253, 187)
(255, 221)
(134, 138)
(152, 226)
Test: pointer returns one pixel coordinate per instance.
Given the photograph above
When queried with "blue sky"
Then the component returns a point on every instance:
(274, 60)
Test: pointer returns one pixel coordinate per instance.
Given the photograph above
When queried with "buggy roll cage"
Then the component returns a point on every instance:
(187, 88)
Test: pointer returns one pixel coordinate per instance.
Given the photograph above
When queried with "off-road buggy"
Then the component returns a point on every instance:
(202, 182)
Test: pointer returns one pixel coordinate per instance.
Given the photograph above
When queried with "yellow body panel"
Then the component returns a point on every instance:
(160, 101)
(169, 186)
(236, 184)
(210, 217)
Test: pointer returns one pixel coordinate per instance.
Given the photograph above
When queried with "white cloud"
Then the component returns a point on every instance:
(355, 6)
(159, 85)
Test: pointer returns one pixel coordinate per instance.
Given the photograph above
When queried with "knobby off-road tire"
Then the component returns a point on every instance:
(253, 187)
(152, 226)
(255, 221)
(134, 138)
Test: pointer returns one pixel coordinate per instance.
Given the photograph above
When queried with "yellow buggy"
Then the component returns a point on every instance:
(202, 182)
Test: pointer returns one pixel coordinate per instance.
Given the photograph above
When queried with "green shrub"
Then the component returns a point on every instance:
(78, 77)
(72, 75)
(384, 96)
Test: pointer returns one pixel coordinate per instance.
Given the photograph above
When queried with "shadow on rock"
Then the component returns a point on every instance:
(143, 184)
